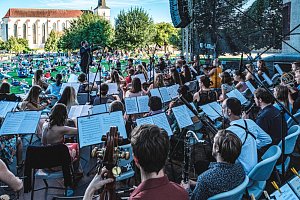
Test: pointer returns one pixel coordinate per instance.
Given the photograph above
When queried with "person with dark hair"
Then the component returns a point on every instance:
(175, 77)
(5, 93)
(150, 145)
(281, 93)
(262, 68)
(103, 97)
(86, 58)
(223, 175)
(155, 105)
(117, 106)
(128, 78)
(239, 77)
(38, 79)
(213, 73)
(186, 75)
(129, 64)
(32, 101)
(227, 84)
(136, 89)
(84, 86)
(269, 117)
(252, 136)
(161, 64)
(205, 94)
(54, 88)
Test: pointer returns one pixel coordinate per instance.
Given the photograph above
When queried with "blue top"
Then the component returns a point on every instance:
(54, 90)
(220, 177)
(269, 119)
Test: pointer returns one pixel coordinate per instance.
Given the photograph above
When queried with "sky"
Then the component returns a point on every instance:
(159, 10)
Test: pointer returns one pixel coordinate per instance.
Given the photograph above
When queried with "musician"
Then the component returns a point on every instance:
(161, 64)
(38, 79)
(130, 73)
(281, 93)
(262, 68)
(54, 88)
(141, 70)
(252, 136)
(175, 77)
(239, 77)
(213, 73)
(155, 105)
(158, 82)
(103, 97)
(186, 75)
(150, 157)
(86, 58)
(68, 97)
(136, 89)
(32, 101)
(5, 93)
(205, 94)
(129, 64)
(268, 118)
(223, 175)
(227, 84)
(9, 178)
(295, 94)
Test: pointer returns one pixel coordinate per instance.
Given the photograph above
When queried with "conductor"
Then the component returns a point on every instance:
(86, 57)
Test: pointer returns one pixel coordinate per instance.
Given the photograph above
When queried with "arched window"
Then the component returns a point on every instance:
(24, 31)
(43, 33)
(15, 30)
(63, 25)
(67, 24)
(34, 33)
(54, 26)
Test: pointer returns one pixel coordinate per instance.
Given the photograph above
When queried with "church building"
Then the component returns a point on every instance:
(35, 25)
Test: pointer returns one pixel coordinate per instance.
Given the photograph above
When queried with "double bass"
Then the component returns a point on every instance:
(109, 155)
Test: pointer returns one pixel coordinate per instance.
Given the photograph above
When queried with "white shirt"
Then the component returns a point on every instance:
(248, 157)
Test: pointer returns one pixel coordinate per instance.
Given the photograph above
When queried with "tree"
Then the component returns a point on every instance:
(90, 27)
(13, 45)
(133, 29)
(2, 45)
(164, 32)
(24, 43)
(51, 44)
(176, 39)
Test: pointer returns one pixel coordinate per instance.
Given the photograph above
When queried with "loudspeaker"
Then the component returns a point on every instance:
(180, 13)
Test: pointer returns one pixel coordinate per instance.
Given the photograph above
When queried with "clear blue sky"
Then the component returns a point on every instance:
(157, 9)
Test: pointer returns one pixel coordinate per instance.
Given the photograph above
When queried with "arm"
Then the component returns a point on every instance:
(262, 138)
(70, 130)
(211, 72)
(200, 191)
(9, 178)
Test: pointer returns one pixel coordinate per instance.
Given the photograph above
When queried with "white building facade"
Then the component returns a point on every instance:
(291, 19)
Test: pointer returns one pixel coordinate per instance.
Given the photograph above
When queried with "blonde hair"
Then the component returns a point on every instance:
(159, 81)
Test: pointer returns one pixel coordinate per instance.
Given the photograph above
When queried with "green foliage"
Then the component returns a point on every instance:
(176, 39)
(164, 32)
(133, 29)
(16, 45)
(88, 27)
(2, 45)
(51, 44)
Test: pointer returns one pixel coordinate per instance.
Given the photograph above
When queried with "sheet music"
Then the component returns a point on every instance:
(140, 76)
(155, 92)
(182, 116)
(74, 85)
(113, 88)
(250, 86)
(24, 122)
(89, 130)
(287, 193)
(113, 119)
(7, 106)
(164, 94)
(99, 109)
(191, 114)
(92, 77)
(237, 94)
(131, 105)
(144, 120)
(142, 102)
(295, 185)
(79, 111)
(279, 70)
(217, 107)
(267, 79)
(173, 91)
(210, 112)
(73, 78)
(161, 121)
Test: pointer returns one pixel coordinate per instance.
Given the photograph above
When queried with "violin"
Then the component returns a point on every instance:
(110, 154)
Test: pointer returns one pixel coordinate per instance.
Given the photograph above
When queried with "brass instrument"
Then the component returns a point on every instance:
(288, 78)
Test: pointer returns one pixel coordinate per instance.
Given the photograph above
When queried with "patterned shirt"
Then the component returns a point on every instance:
(220, 177)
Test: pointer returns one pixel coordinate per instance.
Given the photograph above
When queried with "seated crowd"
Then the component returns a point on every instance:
(236, 149)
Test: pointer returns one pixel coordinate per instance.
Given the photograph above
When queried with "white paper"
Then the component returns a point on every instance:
(155, 93)
(79, 111)
(217, 107)
(295, 185)
(113, 119)
(210, 112)
(182, 116)
(250, 86)
(144, 120)
(89, 130)
(286, 193)
(237, 94)
(131, 105)
(142, 102)
(7, 106)
(279, 70)
(92, 77)
(99, 109)
(74, 85)
(191, 114)
(113, 88)
(161, 121)
(140, 76)
(267, 79)
(73, 78)
(164, 94)
(24, 122)
(173, 91)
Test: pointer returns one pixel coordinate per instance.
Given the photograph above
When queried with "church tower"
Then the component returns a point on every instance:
(102, 10)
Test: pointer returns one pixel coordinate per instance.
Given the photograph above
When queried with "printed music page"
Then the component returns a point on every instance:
(131, 105)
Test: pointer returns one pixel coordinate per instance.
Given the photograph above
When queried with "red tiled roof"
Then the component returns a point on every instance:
(43, 13)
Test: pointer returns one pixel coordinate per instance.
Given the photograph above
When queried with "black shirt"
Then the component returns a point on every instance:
(269, 119)
(10, 97)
